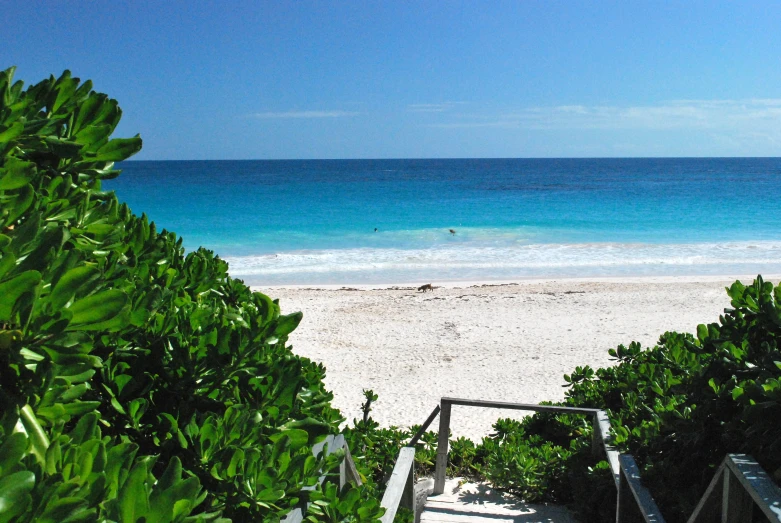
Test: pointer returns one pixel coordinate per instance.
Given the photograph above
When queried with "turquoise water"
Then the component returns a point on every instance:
(311, 222)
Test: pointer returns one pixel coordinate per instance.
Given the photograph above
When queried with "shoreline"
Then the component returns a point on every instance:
(466, 284)
(484, 340)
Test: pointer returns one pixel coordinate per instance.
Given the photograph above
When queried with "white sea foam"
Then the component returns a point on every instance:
(467, 262)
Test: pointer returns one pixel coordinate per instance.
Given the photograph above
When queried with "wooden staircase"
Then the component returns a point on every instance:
(740, 492)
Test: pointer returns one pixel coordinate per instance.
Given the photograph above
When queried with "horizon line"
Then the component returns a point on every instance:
(459, 158)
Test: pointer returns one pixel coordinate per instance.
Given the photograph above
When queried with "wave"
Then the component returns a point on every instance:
(480, 262)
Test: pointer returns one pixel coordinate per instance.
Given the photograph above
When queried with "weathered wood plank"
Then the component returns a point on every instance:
(295, 516)
(709, 507)
(422, 429)
(398, 485)
(408, 498)
(442, 447)
(736, 503)
(630, 483)
(626, 509)
(351, 472)
(519, 406)
(755, 481)
(602, 427)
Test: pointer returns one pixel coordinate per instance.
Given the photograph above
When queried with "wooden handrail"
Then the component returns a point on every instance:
(739, 485)
(601, 442)
(602, 439)
(422, 429)
(644, 508)
(518, 406)
(400, 488)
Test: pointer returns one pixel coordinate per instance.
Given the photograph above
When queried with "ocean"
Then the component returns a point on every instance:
(388, 221)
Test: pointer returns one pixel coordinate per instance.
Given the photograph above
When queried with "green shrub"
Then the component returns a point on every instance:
(678, 407)
(136, 381)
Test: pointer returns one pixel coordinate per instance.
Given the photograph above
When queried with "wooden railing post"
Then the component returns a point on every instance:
(596, 437)
(736, 503)
(442, 447)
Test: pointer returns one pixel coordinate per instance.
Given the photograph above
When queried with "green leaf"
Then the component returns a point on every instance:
(133, 496)
(66, 86)
(298, 438)
(7, 262)
(19, 204)
(15, 494)
(38, 439)
(63, 148)
(11, 451)
(70, 283)
(12, 132)
(11, 290)
(93, 111)
(702, 331)
(714, 385)
(270, 495)
(172, 474)
(312, 426)
(16, 173)
(287, 323)
(93, 134)
(99, 311)
(117, 150)
(67, 509)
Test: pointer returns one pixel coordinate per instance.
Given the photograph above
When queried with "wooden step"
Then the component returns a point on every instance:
(463, 501)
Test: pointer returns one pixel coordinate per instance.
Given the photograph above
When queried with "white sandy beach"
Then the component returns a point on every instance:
(496, 341)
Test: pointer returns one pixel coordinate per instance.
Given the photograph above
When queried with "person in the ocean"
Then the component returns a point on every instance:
(453, 231)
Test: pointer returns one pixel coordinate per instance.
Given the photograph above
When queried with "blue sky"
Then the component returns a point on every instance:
(247, 80)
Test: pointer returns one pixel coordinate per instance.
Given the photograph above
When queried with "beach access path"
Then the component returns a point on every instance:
(495, 341)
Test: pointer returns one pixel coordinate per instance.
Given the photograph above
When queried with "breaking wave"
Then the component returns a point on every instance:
(464, 262)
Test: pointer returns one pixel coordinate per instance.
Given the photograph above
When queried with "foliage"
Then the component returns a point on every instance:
(137, 383)
(678, 407)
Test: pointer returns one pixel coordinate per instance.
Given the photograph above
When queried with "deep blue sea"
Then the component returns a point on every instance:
(313, 222)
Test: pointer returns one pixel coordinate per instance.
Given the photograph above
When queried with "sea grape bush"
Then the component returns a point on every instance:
(137, 383)
(678, 407)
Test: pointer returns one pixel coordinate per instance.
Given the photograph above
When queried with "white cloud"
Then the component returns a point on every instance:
(304, 114)
(432, 108)
(475, 125)
(758, 114)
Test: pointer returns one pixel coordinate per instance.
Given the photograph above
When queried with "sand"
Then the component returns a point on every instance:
(506, 342)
